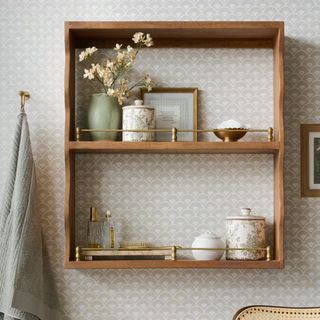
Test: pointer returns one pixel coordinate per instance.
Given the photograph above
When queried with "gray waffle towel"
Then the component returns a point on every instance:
(26, 291)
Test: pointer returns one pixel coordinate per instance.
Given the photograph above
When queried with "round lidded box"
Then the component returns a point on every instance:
(211, 241)
(245, 231)
(138, 117)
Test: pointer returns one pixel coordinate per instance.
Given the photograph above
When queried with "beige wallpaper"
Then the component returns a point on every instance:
(32, 57)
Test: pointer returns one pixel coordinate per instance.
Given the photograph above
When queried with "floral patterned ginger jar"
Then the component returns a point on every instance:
(245, 231)
(207, 240)
(138, 117)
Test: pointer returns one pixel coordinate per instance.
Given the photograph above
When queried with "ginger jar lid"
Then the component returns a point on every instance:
(245, 215)
(138, 104)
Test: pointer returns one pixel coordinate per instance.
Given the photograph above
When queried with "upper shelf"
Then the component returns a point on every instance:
(172, 34)
(173, 147)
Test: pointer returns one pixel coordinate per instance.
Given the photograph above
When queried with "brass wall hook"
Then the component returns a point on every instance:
(25, 95)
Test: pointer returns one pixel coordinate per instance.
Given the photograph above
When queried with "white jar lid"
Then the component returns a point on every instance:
(208, 235)
(245, 215)
(138, 104)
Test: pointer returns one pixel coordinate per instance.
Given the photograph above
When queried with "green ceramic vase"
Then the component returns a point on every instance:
(104, 113)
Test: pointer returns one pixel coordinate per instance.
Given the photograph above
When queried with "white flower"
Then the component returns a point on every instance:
(88, 52)
(91, 50)
(137, 37)
(147, 82)
(88, 74)
(132, 55)
(94, 67)
(129, 48)
(82, 56)
(98, 69)
(140, 38)
(120, 56)
(108, 82)
(118, 47)
(121, 99)
(147, 79)
(110, 92)
(148, 41)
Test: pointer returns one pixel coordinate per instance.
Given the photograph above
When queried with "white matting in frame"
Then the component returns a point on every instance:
(174, 108)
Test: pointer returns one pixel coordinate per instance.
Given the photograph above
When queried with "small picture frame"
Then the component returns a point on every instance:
(310, 160)
(174, 108)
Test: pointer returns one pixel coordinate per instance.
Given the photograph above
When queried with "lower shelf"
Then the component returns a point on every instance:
(139, 264)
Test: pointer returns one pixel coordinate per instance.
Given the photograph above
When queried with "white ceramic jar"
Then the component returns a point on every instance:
(208, 240)
(138, 117)
(245, 231)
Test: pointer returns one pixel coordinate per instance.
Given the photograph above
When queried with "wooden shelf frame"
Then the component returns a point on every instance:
(173, 147)
(211, 34)
(142, 264)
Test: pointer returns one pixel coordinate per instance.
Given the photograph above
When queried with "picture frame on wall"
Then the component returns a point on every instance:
(174, 108)
(310, 160)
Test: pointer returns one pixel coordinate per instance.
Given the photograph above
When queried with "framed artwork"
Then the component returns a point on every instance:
(174, 108)
(310, 160)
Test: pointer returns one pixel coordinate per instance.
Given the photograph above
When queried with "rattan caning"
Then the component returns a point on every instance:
(277, 313)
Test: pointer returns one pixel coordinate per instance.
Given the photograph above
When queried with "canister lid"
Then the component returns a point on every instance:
(138, 104)
(245, 215)
(208, 235)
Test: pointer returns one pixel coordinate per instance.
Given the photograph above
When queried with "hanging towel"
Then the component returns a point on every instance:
(25, 289)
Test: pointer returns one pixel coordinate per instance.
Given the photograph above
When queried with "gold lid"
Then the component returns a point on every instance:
(93, 214)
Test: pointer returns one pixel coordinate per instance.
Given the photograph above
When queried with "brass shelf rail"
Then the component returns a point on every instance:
(172, 249)
(175, 131)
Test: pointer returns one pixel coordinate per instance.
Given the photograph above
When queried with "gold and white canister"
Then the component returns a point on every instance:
(138, 117)
(245, 231)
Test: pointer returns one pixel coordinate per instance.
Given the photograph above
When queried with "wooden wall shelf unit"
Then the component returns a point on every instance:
(183, 35)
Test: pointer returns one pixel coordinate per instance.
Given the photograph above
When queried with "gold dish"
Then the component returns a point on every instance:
(230, 134)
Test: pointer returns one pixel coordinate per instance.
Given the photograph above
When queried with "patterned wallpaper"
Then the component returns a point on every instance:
(32, 57)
